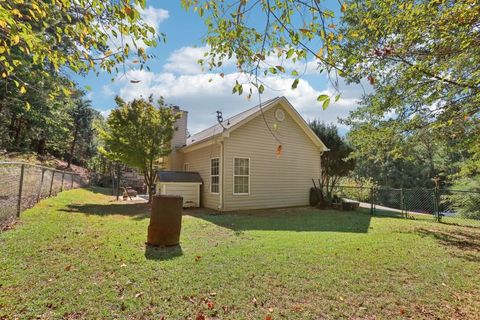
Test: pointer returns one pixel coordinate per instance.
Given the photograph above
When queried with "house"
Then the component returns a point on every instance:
(264, 157)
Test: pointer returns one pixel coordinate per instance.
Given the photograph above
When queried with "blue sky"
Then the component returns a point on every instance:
(175, 75)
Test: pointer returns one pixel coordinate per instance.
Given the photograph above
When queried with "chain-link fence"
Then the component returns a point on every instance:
(23, 185)
(443, 205)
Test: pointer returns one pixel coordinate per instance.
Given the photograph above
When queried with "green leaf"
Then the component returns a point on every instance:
(290, 53)
(295, 84)
(261, 88)
(322, 97)
(337, 97)
(325, 104)
(88, 88)
(294, 73)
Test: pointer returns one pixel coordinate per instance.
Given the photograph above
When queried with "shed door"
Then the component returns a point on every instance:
(189, 192)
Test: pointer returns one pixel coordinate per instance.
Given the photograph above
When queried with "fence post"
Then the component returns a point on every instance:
(118, 181)
(51, 184)
(436, 205)
(71, 184)
(61, 186)
(20, 190)
(41, 185)
(372, 200)
(402, 203)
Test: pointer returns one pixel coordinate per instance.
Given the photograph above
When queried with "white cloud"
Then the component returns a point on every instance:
(202, 94)
(185, 60)
(108, 91)
(150, 15)
(105, 113)
(153, 16)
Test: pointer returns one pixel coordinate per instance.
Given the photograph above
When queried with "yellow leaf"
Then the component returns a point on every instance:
(320, 53)
(16, 39)
(3, 24)
(22, 89)
(2, 49)
(344, 7)
(17, 13)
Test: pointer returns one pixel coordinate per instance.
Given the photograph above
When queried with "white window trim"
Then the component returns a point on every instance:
(241, 175)
(211, 184)
(186, 167)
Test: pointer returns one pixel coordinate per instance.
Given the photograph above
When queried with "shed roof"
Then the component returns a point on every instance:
(179, 176)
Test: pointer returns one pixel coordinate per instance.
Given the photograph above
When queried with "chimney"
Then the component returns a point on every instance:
(180, 135)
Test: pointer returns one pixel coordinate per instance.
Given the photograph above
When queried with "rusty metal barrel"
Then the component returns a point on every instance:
(165, 221)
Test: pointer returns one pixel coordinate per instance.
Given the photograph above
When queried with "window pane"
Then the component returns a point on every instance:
(214, 166)
(241, 166)
(240, 184)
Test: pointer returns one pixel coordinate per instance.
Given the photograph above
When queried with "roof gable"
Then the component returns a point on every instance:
(233, 123)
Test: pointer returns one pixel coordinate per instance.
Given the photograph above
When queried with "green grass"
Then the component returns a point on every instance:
(82, 256)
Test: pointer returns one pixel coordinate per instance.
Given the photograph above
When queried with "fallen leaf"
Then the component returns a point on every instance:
(210, 305)
(123, 265)
(268, 317)
(212, 294)
(200, 316)
(402, 311)
(270, 309)
(254, 301)
(67, 268)
(138, 295)
(197, 258)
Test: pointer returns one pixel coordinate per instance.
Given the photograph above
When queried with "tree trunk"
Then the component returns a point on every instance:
(41, 146)
(72, 147)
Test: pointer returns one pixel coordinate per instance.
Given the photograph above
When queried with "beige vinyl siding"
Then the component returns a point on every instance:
(174, 161)
(199, 161)
(282, 181)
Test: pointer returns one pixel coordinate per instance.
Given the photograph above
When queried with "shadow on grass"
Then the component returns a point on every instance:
(162, 253)
(290, 219)
(101, 190)
(135, 210)
(465, 241)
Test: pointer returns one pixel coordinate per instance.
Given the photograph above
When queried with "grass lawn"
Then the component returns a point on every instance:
(82, 256)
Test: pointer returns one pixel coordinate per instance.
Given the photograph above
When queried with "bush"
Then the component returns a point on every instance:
(466, 204)
(356, 188)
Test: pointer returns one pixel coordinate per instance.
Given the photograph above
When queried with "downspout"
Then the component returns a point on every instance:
(222, 154)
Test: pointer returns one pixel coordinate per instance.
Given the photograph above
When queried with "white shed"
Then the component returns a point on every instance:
(181, 183)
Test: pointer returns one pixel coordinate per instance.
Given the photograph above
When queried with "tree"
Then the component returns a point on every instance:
(336, 162)
(33, 121)
(256, 31)
(424, 51)
(83, 131)
(422, 57)
(80, 35)
(138, 134)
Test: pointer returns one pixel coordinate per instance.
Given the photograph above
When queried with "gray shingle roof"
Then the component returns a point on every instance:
(179, 176)
(228, 123)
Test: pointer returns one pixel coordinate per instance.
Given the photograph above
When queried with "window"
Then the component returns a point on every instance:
(186, 167)
(241, 176)
(214, 175)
